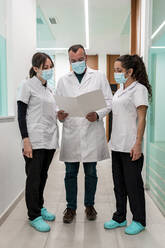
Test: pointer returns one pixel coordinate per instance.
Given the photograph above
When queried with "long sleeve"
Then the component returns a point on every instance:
(22, 110)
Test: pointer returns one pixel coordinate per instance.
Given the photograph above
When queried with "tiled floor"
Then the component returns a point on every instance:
(16, 232)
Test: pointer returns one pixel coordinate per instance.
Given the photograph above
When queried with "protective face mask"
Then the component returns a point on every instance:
(79, 67)
(47, 74)
(120, 78)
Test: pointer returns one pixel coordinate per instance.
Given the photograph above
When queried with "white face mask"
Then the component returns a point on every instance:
(79, 67)
(47, 74)
(120, 78)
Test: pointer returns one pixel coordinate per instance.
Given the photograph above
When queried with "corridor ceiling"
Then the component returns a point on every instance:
(109, 24)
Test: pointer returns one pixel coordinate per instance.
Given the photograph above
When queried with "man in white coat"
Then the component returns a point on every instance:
(83, 139)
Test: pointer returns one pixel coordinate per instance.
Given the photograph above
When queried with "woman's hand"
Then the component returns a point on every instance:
(27, 151)
(136, 152)
(61, 115)
(92, 117)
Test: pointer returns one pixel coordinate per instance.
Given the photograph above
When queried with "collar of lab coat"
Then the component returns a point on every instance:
(87, 76)
(39, 81)
(88, 71)
(131, 86)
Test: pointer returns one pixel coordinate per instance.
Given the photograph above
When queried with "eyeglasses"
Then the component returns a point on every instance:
(79, 60)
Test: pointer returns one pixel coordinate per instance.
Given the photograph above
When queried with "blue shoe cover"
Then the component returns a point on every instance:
(112, 224)
(40, 225)
(46, 215)
(134, 228)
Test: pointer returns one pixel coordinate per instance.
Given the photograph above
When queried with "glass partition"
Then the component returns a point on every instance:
(156, 113)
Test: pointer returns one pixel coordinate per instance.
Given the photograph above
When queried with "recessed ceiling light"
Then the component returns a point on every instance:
(86, 11)
(53, 20)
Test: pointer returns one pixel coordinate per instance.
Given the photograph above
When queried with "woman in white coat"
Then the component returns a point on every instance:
(83, 139)
(38, 127)
(129, 108)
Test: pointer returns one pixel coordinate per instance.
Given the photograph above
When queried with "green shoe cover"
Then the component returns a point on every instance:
(112, 224)
(46, 215)
(40, 225)
(134, 228)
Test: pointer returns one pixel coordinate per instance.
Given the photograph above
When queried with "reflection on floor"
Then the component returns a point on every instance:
(16, 232)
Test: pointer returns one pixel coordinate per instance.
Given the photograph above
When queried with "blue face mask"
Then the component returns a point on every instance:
(47, 74)
(120, 78)
(79, 67)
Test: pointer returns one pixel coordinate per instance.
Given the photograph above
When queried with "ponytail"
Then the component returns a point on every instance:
(32, 73)
(139, 70)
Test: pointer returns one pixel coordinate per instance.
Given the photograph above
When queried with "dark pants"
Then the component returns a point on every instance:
(128, 182)
(37, 173)
(71, 183)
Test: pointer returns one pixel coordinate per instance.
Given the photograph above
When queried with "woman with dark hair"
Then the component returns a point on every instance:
(129, 108)
(38, 127)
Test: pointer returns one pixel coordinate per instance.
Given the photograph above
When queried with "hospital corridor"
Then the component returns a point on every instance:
(16, 233)
(82, 141)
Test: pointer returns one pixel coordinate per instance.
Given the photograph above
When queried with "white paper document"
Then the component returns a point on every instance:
(81, 105)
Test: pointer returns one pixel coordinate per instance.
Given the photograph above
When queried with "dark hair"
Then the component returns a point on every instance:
(75, 48)
(139, 70)
(38, 60)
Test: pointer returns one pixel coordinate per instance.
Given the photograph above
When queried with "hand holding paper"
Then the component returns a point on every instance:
(92, 117)
(81, 105)
(62, 115)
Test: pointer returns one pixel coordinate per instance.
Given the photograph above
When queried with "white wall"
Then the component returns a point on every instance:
(103, 67)
(21, 44)
(21, 41)
(102, 62)
(62, 65)
(3, 18)
(124, 44)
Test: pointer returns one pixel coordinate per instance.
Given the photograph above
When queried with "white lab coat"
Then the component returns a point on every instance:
(84, 141)
(41, 113)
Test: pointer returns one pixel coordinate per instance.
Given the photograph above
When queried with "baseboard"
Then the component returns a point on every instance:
(11, 207)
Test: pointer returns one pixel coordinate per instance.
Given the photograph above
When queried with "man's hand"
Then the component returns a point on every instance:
(61, 115)
(92, 117)
(27, 150)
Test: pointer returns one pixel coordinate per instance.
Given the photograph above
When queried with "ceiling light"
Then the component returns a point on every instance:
(86, 12)
(53, 20)
(158, 47)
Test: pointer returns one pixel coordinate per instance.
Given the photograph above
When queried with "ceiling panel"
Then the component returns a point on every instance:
(109, 23)
(70, 27)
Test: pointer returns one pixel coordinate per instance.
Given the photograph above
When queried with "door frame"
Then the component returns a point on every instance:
(135, 41)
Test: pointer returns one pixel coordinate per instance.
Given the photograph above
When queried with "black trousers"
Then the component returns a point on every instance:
(128, 182)
(37, 172)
